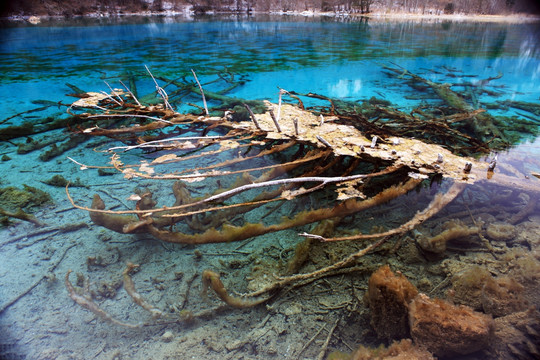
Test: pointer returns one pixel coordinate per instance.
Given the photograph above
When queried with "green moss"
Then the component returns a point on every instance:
(102, 172)
(29, 197)
(60, 181)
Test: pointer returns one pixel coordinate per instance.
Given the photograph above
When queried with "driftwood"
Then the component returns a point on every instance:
(342, 158)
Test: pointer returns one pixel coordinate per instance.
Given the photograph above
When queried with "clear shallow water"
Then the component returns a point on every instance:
(334, 58)
(337, 59)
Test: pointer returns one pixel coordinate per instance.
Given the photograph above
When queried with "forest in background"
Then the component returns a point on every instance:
(69, 8)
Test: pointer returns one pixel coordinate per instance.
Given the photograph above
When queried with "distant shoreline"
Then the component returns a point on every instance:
(511, 18)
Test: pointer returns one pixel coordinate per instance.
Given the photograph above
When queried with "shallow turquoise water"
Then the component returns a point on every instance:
(340, 59)
(337, 59)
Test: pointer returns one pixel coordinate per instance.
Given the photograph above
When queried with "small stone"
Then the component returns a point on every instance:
(167, 336)
(440, 158)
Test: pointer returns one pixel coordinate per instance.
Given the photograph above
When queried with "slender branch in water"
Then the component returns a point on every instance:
(202, 92)
(20, 214)
(274, 120)
(114, 92)
(252, 115)
(86, 302)
(439, 202)
(129, 286)
(281, 92)
(130, 93)
(111, 98)
(212, 280)
(160, 90)
(129, 115)
(38, 281)
(157, 142)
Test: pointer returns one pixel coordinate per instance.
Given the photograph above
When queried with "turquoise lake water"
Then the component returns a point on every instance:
(333, 58)
(494, 65)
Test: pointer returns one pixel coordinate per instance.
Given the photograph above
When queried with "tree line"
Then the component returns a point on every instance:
(435, 7)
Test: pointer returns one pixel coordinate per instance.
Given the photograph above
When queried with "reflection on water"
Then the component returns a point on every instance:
(400, 68)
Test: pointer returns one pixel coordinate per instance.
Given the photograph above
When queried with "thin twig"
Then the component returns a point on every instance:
(310, 341)
(61, 229)
(130, 93)
(126, 148)
(322, 353)
(274, 120)
(160, 90)
(326, 143)
(202, 93)
(38, 281)
(295, 123)
(281, 92)
(114, 92)
(129, 115)
(439, 202)
(111, 98)
(252, 116)
(323, 180)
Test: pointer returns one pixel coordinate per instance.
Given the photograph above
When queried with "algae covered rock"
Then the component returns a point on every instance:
(448, 330)
(388, 296)
(517, 336)
(501, 232)
(503, 296)
(467, 286)
(29, 197)
(402, 350)
(15, 203)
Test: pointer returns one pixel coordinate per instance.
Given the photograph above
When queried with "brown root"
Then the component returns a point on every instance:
(129, 286)
(86, 302)
(212, 280)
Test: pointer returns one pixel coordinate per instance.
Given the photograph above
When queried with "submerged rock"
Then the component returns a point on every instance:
(503, 296)
(501, 232)
(389, 295)
(467, 286)
(448, 330)
(402, 350)
(516, 336)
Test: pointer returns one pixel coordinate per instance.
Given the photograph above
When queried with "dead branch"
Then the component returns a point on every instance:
(86, 302)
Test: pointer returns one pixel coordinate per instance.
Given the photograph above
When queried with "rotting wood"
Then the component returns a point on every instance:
(326, 144)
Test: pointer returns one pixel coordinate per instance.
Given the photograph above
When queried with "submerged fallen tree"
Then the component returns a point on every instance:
(337, 159)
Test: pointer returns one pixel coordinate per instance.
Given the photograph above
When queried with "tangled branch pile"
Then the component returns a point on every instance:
(320, 165)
